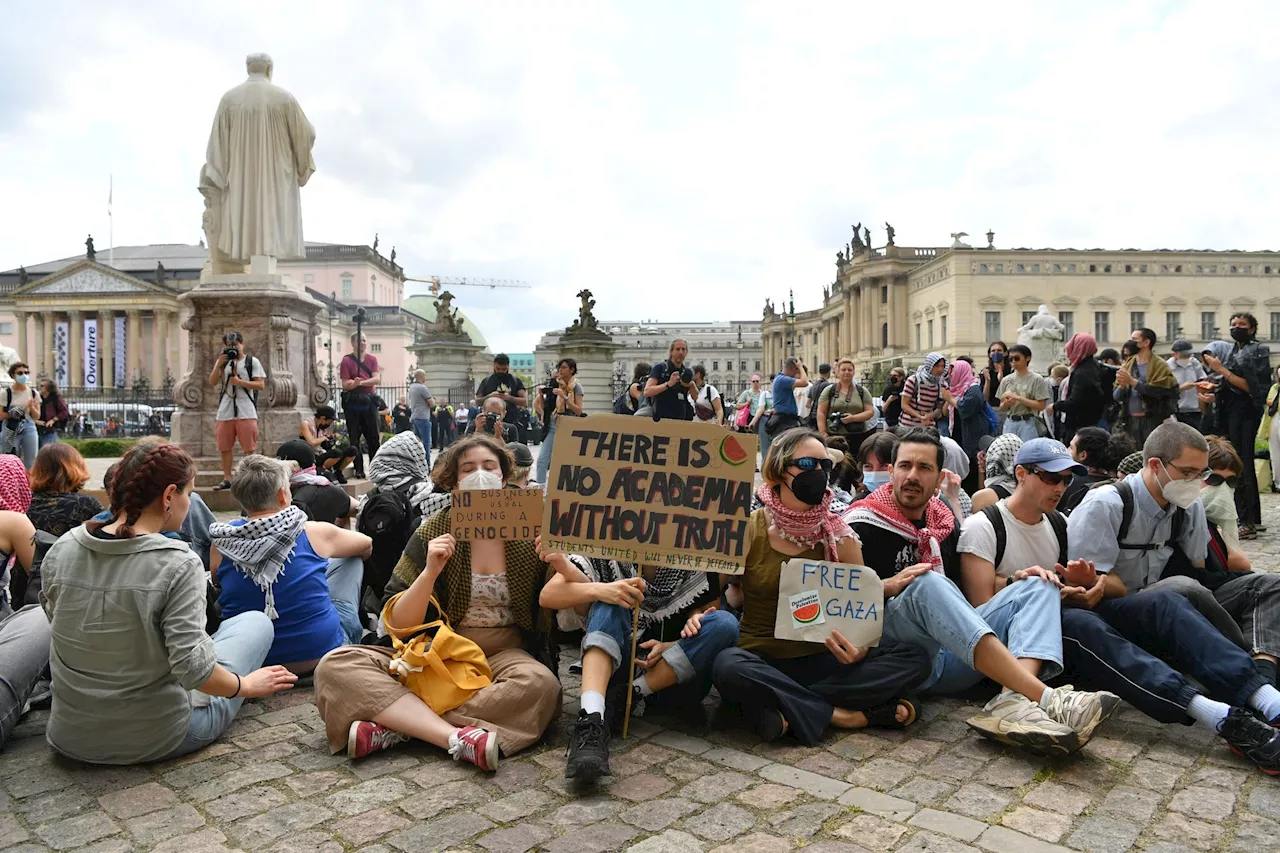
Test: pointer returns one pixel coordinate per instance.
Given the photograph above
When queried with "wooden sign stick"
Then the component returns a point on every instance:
(635, 638)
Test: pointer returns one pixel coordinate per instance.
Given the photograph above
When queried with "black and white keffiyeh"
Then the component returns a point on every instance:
(260, 547)
(401, 464)
(669, 593)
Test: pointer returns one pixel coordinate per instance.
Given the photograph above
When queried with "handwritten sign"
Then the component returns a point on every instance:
(662, 493)
(816, 597)
(496, 514)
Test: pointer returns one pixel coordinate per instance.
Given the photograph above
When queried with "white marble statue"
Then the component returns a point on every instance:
(1043, 333)
(8, 358)
(259, 155)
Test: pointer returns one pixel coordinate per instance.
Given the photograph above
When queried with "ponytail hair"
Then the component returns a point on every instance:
(141, 480)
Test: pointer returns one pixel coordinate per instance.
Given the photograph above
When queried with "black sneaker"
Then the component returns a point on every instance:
(588, 756)
(615, 703)
(1253, 739)
(338, 477)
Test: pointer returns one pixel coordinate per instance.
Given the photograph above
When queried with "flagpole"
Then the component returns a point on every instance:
(111, 224)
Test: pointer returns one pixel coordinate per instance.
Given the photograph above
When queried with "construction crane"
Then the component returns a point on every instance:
(436, 281)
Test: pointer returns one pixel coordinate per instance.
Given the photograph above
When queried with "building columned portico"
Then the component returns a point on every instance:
(66, 334)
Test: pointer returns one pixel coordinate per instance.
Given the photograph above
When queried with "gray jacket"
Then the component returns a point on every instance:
(128, 620)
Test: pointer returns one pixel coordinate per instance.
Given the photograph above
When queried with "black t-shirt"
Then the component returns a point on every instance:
(503, 383)
(673, 403)
(892, 411)
(888, 553)
(327, 503)
(400, 418)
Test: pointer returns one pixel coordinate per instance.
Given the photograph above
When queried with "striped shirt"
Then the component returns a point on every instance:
(923, 398)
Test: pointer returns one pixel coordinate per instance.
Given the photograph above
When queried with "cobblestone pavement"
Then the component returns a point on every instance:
(271, 785)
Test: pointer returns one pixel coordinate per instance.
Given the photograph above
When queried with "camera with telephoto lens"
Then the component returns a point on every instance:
(491, 418)
(231, 353)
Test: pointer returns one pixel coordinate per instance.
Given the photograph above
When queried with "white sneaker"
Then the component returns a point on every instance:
(1014, 719)
(1082, 712)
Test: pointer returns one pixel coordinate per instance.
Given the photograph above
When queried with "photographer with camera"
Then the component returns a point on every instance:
(241, 378)
(504, 385)
(333, 453)
(670, 385)
(360, 377)
(491, 423)
(561, 396)
(21, 411)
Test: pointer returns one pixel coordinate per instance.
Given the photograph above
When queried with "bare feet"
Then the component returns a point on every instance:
(845, 719)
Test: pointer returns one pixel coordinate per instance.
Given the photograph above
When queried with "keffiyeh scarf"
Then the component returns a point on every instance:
(15, 486)
(812, 527)
(260, 547)
(999, 461)
(669, 593)
(308, 477)
(924, 374)
(879, 509)
(402, 463)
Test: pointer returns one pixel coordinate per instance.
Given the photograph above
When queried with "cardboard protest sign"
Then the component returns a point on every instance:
(496, 514)
(663, 493)
(816, 597)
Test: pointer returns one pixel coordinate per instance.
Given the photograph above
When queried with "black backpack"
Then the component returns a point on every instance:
(996, 517)
(1126, 518)
(389, 520)
(24, 588)
(815, 396)
(623, 404)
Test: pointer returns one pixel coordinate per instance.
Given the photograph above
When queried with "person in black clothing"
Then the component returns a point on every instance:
(1084, 400)
(998, 367)
(503, 385)
(332, 452)
(490, 419)
(320, 499)
(892, 397)
(400, 419)
(1100, 452)
(670, 384)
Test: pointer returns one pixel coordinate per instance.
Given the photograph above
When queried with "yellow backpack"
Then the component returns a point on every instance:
(441, 667)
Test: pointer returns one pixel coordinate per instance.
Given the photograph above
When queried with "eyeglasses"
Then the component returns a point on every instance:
(808, 463)
(1218, 480)
(1052, 478)
(1190, 473)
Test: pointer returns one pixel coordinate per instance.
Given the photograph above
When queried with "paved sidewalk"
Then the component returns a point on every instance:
(270, 784)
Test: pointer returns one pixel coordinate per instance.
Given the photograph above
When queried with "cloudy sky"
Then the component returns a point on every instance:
(683, 160)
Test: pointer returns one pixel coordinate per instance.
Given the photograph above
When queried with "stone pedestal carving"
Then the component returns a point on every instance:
(445, 351)
(279, 323)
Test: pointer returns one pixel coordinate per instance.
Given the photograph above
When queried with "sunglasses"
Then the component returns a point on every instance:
(1218, 479)
(1015, 358)
(22, 373)
(1052, 478)
(808, 463)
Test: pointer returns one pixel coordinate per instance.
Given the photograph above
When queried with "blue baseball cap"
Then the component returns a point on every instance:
(1048, 455)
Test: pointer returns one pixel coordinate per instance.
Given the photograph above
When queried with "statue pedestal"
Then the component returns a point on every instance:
(279, 323)
(448, 365)
(594, 354)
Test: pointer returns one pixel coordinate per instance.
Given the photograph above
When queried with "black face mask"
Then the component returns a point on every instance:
(810, 486)
(1240, 336)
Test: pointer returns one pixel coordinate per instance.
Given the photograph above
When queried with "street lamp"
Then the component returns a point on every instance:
(740, 380)
(333, 298)
(792, 295)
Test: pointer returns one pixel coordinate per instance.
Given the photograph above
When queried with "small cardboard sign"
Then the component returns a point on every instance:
(498, 514)
(816, 597)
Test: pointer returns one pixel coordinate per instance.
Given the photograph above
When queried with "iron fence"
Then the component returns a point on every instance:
(143, 409)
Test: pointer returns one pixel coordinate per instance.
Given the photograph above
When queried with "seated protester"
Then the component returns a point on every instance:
(788, 685)
(1218, 497)
(24, 634)
(122, 686)
(489, 592)
(1106, 639)
(1130, 464)
(401, 465)
(318, 496)
(846, 476)
(1165, 546)
(305, 575)
(875, 457)
(522, 464)
(1099, 452)
(909, 536)
(15, 485)
(679, 663)
(490, 422)
(333, 452)
(57, 504)
(999, 481)
(957, 462)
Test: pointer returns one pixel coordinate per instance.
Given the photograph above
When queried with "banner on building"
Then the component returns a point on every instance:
(61, 335)
(121, 378)
(91, 354)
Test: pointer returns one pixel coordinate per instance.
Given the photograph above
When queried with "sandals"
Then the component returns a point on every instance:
(223, 486)
(765, 722)
(886, 716)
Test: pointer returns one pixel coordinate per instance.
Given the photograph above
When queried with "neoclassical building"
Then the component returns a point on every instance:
(894, 304)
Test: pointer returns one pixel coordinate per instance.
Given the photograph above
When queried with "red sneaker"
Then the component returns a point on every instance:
(478, 746)
(367, 738)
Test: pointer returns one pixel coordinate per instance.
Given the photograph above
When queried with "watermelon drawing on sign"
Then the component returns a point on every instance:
(807, 613)
(806, 609)
(731, 451)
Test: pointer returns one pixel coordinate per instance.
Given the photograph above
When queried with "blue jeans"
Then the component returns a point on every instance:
(242, 643)
(422, 427)
(1025, 430)
(765, 438)
(50, 437)
(932, 613)
(609, 628)
(21, 442)
(544, 453)
(345, 575)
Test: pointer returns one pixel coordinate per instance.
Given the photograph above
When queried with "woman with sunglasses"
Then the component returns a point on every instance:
(787, 685)
(1219, 499)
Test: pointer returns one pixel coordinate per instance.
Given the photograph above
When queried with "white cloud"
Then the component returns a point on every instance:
(680, 160)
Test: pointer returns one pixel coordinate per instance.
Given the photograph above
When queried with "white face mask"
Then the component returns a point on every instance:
(480, 479)
(874, 479)
(1180, 493)
(1184, 361)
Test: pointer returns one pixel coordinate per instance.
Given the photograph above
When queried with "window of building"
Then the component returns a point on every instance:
(757, 364)
(1026, 316)
(884, 294)
(1137, 319)
(1275, 325)
(7, 328)
(715, 365)
(999, 267)
(375, 347)
(1035, 268)
(982, 268)
(993, 326)
(1057, 267)
(1172, 325)
(884, 335)
(1102, 325)
(1068, 321)
(919, 343)
(1020, 268)
(943, 320)
(930, 334)
(1207, 330)
(346, 288)
(815, 339)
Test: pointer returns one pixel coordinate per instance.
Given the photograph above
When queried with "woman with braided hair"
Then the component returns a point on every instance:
(135, 677)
